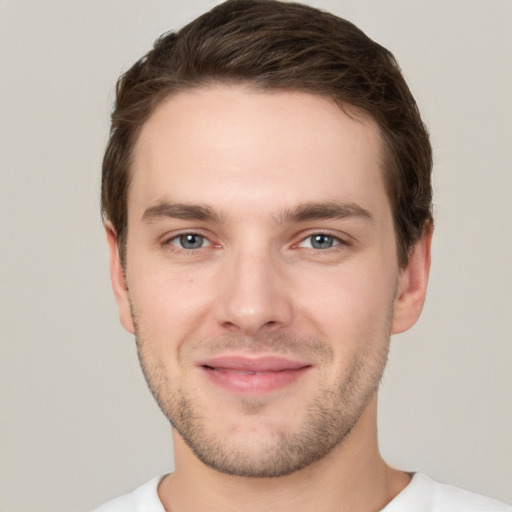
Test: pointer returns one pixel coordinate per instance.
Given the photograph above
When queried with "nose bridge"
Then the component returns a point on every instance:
(253, 296)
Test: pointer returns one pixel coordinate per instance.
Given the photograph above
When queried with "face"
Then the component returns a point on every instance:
(261, 276)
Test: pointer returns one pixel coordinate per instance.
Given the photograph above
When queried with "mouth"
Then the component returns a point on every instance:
(253, 374)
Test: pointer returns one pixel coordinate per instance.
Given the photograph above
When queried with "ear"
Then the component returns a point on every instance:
(118, 278)
(412, 285)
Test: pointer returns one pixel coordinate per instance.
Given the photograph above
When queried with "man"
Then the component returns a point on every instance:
(267, 202)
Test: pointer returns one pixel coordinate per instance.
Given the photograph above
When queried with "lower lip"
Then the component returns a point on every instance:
(254, 383)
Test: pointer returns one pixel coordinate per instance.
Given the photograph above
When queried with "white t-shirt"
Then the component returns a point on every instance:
(421, 495)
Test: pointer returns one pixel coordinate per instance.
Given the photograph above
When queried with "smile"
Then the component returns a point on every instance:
(240, 372)
(253, 375)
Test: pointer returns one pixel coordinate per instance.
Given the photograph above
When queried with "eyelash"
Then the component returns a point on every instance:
(177, 238)
(316, 238)
(335, 241)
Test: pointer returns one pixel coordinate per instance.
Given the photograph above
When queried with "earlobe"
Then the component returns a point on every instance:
(412, 285)
(118, 278)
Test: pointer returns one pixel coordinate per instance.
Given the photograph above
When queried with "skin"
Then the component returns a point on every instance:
(266, 168)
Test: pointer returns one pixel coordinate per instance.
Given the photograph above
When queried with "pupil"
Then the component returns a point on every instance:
(191, 241)
(322, 241)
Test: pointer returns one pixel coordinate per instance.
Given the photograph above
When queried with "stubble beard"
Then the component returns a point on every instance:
(326, 422)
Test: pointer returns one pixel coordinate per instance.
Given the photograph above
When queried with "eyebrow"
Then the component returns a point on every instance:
(300, 213)
(323, 211)
(185, 211)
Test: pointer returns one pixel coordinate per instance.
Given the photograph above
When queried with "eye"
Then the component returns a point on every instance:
(320, 241)
(190, 241)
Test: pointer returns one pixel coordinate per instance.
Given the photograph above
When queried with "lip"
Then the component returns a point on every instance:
(253, 374)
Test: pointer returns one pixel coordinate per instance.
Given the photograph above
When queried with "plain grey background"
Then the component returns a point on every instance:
(77, 424)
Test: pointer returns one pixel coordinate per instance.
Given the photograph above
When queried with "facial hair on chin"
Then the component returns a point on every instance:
(327, 419)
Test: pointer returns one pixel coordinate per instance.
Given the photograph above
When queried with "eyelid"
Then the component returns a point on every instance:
(336, 242)
(339, 238)
(342, 239)
(206, 242)
(169, 238)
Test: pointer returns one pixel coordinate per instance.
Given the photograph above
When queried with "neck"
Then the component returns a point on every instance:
(352, 477)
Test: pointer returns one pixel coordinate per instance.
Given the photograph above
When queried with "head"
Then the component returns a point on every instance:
(266, 191)
(272, 45)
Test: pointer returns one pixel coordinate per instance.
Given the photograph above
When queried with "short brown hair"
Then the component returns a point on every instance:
(287, 46)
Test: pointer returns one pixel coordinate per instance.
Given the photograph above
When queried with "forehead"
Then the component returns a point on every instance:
(234, 145)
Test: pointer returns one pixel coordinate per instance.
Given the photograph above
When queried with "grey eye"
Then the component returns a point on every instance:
(322, 241)
(189, 241)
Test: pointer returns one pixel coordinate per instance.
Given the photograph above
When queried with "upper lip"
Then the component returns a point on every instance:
(251, 363)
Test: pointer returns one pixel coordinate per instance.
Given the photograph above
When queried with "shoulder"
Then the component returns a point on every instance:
(424, 494)
(142, 499)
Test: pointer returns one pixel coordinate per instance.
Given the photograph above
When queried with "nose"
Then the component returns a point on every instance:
(253, 297)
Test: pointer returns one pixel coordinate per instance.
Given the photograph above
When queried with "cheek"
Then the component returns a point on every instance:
(169, 304)
(355, 319)
(351, 293)
(351, 309)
